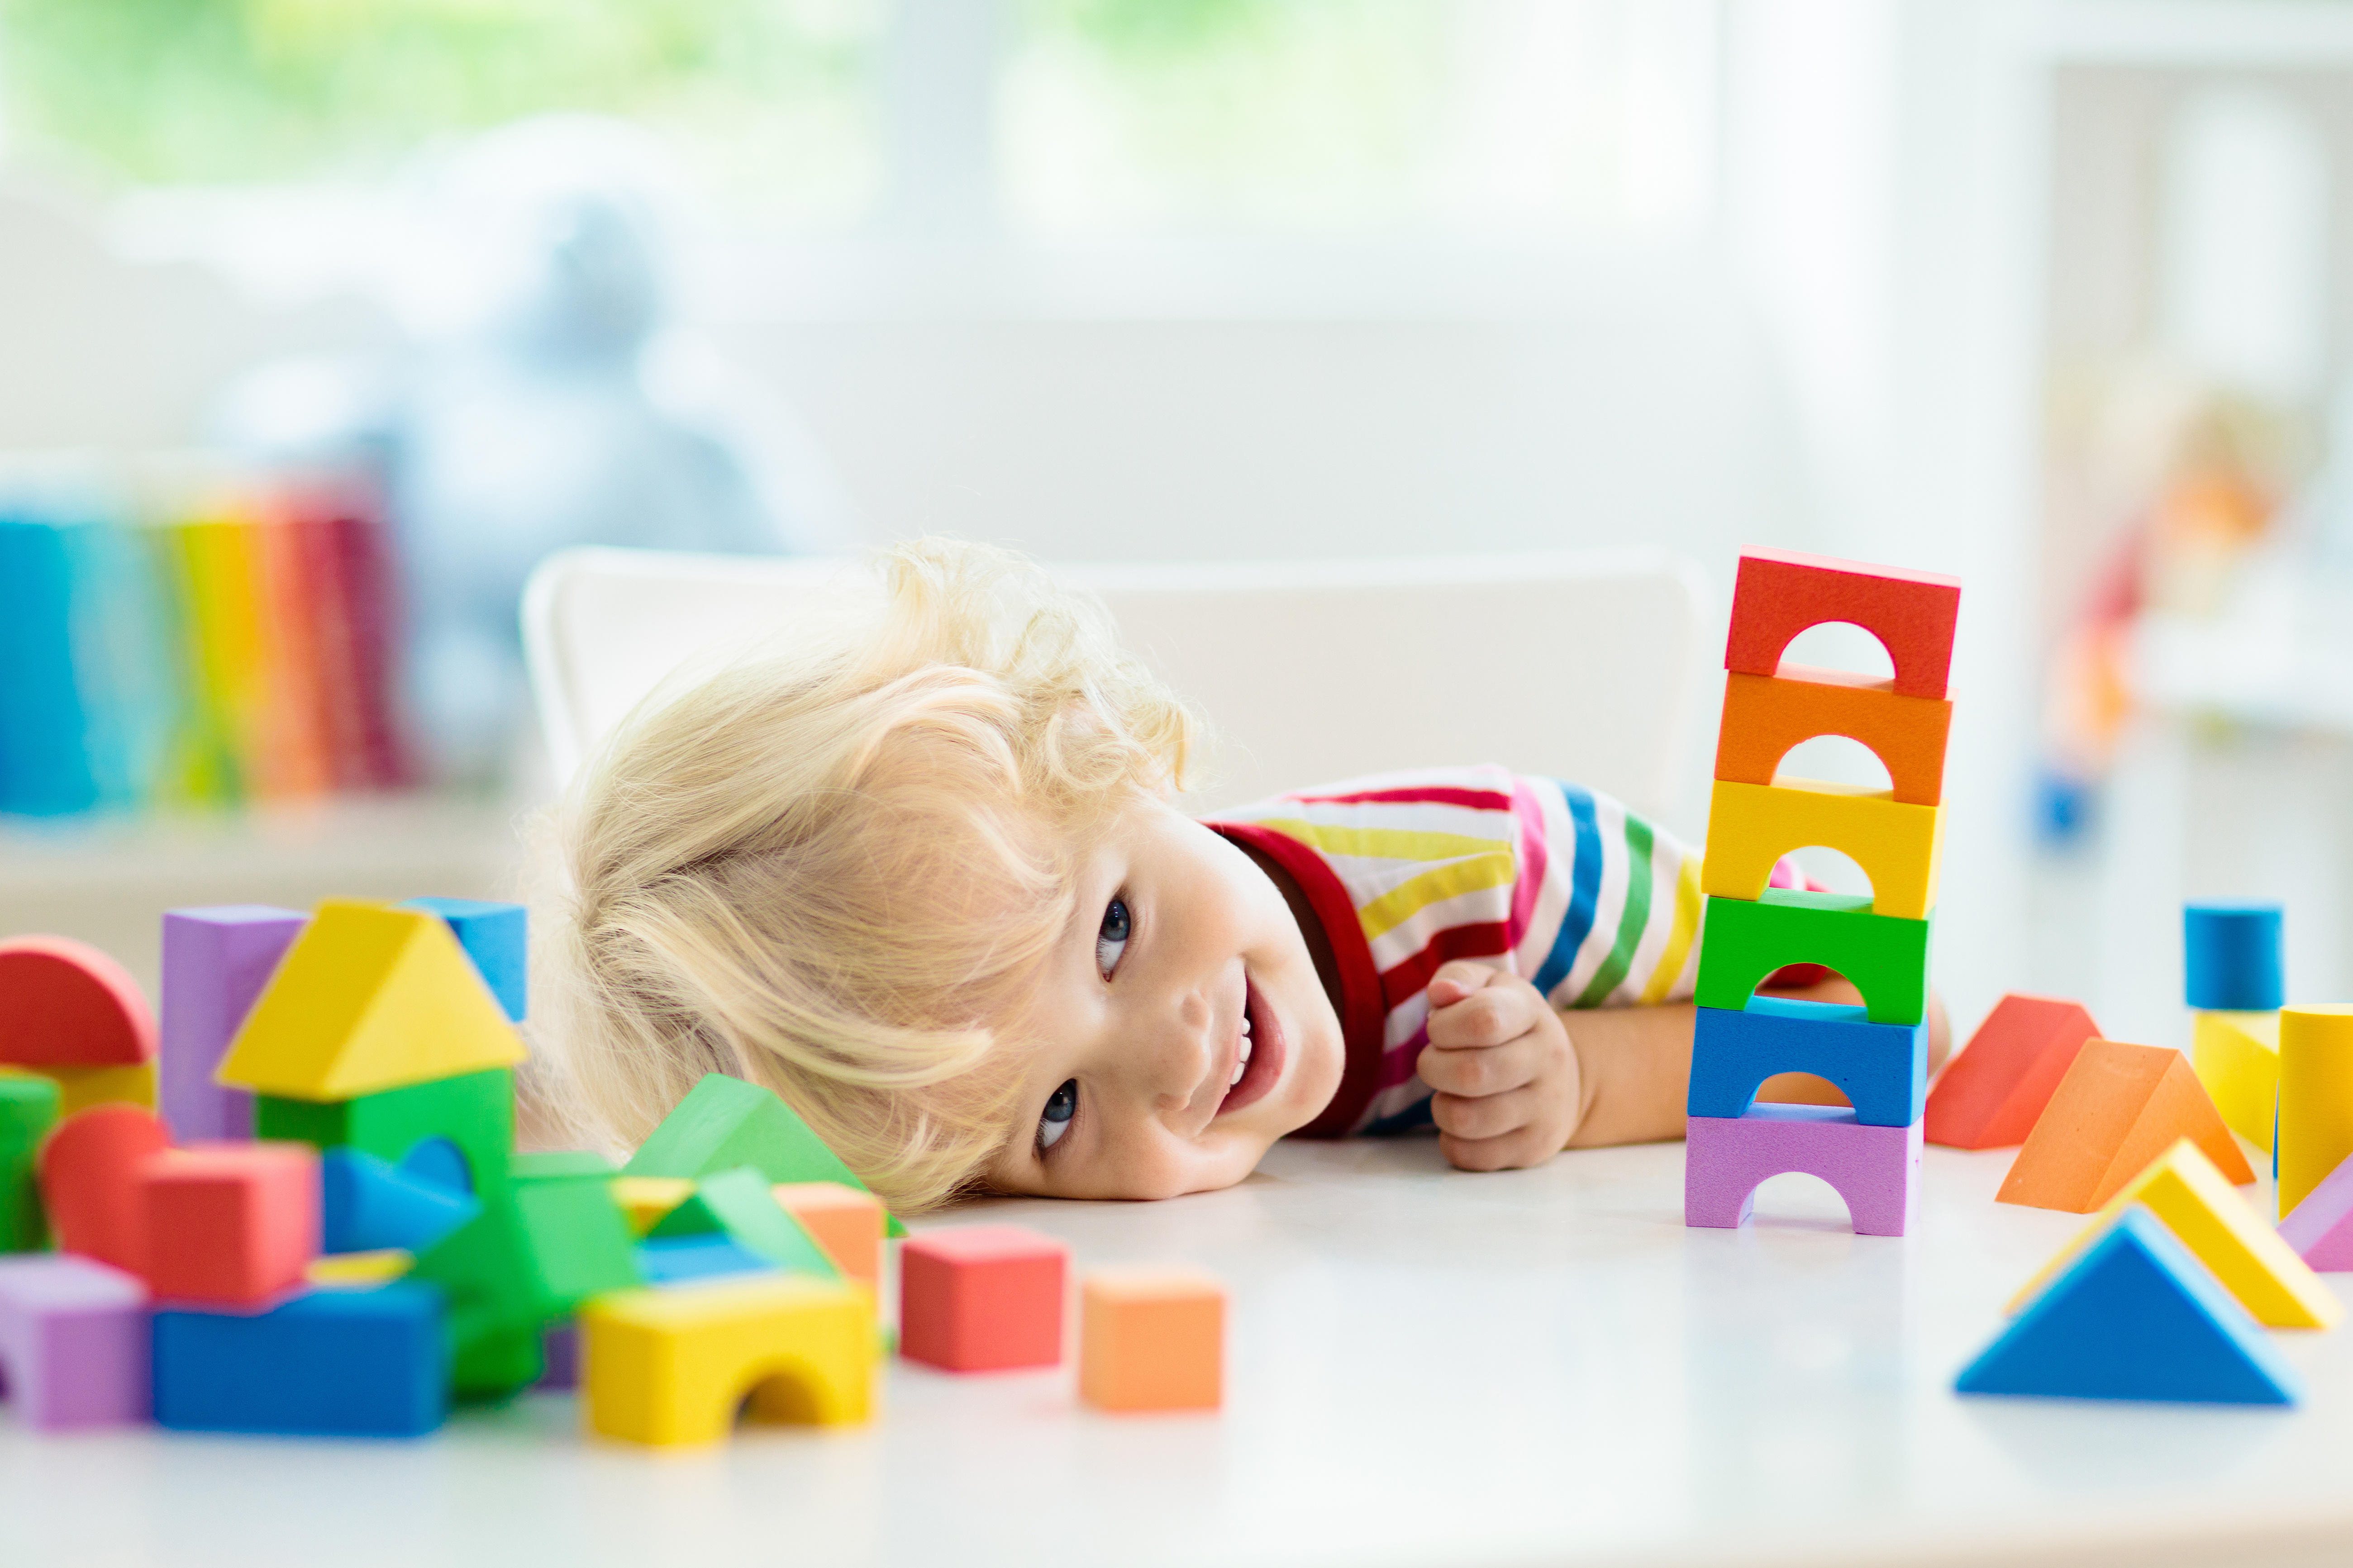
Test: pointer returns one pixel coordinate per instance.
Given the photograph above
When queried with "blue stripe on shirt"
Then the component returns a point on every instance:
(1584, 891)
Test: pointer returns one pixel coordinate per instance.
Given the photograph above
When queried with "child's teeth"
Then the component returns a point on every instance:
(1246, 1025)
(1239, 1068)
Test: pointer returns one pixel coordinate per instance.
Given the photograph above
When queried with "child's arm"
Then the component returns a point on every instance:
(1518, 1081)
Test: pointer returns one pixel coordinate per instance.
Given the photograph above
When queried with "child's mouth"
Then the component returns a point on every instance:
(1262, 1048)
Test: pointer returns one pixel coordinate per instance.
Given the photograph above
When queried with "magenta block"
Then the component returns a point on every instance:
(1875, 1169)
(2320, 1228)
(73, 1341)
(215, 962)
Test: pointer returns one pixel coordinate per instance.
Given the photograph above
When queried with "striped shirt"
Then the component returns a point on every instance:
(1554, 883)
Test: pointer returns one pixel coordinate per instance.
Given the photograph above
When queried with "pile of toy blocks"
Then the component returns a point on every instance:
(1876, 1054)
(328, 1230)
(2167, 1294)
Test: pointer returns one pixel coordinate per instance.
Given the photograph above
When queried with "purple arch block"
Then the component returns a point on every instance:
(1875, 1169)
(73, 1341)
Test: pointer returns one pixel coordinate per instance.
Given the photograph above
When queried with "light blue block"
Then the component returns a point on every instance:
(2136, 1317)
(2230, 957)
(1883, 1068)
(675, 1261)
(366, 1204)
(497, 937)
(350, 1364)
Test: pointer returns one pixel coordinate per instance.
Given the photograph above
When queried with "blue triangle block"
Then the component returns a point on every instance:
(2135, 1317)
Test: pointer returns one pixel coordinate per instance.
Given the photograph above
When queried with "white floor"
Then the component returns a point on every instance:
(1427, 1367)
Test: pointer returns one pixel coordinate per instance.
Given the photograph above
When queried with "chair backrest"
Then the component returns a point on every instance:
(1579, 666)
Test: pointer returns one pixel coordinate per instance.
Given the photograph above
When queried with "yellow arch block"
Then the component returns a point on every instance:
(670, 1367)
(369, 999)
(1750, 826)
(2196, 1203)
(2237, 1059)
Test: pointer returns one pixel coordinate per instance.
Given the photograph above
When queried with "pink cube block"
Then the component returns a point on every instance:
(73, 1342)
(1875, 1169)
(982, 1298)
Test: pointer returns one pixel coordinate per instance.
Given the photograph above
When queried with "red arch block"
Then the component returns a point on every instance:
(1780, 593)
(65, 1004)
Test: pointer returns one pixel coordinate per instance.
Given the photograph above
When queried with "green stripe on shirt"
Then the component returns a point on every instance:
(1633, 920)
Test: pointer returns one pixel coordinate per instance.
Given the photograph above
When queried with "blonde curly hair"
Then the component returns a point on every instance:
(832, 868)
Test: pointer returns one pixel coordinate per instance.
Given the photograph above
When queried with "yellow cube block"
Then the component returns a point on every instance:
(1750, 826)
(671, 1367)
(2198, 1204)
(2237, 1059)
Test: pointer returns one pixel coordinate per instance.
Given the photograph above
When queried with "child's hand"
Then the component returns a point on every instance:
(1508, 1078)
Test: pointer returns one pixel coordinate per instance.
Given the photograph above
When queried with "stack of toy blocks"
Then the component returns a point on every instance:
(1877, 1053)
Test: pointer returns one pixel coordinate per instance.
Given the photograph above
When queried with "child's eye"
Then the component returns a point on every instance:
(1112, 940)
(1061, 1106)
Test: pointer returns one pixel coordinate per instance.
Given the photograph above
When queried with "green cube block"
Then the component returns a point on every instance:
(1885, 958)
(475, 1111)
(561, 1165)
(28, 1107)
(536, 1252)
(724, 1122)
(740, 1204)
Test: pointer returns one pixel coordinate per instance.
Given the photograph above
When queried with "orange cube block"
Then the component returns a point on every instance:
(234, 1223)
(1765, 715)
(844, 1221)
(1152, 1339)
(2118, 1108)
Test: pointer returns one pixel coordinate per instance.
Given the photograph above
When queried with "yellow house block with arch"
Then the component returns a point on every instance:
(671, 1367)
(1750, 826)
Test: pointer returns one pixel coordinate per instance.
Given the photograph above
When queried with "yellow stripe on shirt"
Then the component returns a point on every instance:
(1678, 937)
(1472, 874)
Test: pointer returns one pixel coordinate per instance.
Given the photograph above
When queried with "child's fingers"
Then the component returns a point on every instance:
(1458, 978)
(1488, 1016)
(1483, 1070)
(1485, 1116)
(1515, 1150)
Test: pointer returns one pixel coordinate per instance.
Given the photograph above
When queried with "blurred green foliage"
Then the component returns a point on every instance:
(198, 90)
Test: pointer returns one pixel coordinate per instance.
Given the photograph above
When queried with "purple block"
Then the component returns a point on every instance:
(1875, 1169)
(2320, 1228)
(73, 1341)
(215, 962)
(560, 1348)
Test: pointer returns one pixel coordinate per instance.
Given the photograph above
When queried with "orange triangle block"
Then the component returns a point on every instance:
(2118, 1109)
(2222, 1231)
(369, 999)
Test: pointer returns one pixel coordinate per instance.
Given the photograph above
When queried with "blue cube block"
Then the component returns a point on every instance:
(2230, 957)
(496, 937)
(674, 1260)
(366, 1204)
(347, 1363)
(1883, 1068)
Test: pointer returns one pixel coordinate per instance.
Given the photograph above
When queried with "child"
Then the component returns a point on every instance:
(921, 875)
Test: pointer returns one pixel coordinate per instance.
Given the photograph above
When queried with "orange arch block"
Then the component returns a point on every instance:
(2120, 1107)
(1780, 593)
(1765, 715)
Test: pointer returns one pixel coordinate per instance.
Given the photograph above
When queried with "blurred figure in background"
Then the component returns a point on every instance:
(545, 405)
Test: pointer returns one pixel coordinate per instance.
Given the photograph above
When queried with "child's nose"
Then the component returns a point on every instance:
(1183, 1053)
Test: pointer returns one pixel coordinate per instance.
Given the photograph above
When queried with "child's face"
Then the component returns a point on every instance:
(1182, 968)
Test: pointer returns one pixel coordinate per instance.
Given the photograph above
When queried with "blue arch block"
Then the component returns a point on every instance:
(2230, 957)
(1883, 1068)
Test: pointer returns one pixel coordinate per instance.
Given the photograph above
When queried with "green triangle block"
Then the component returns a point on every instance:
(535, 1253)
(739, 1205)
(724, 1122)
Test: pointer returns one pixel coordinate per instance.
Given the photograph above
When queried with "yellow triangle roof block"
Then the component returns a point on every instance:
(2196, 1203)
(368, 999)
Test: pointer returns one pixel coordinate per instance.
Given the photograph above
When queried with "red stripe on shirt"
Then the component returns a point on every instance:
(1409, 977)
(1401, 1064)
(1529, 877)
(1431, 795)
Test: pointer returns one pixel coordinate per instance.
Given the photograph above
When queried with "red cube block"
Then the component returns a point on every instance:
(982, 1298)
(233, 1223)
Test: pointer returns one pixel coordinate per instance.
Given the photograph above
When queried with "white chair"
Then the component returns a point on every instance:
(1579, 666)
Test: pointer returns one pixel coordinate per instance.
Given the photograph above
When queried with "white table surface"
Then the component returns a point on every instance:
(1425, 1367)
